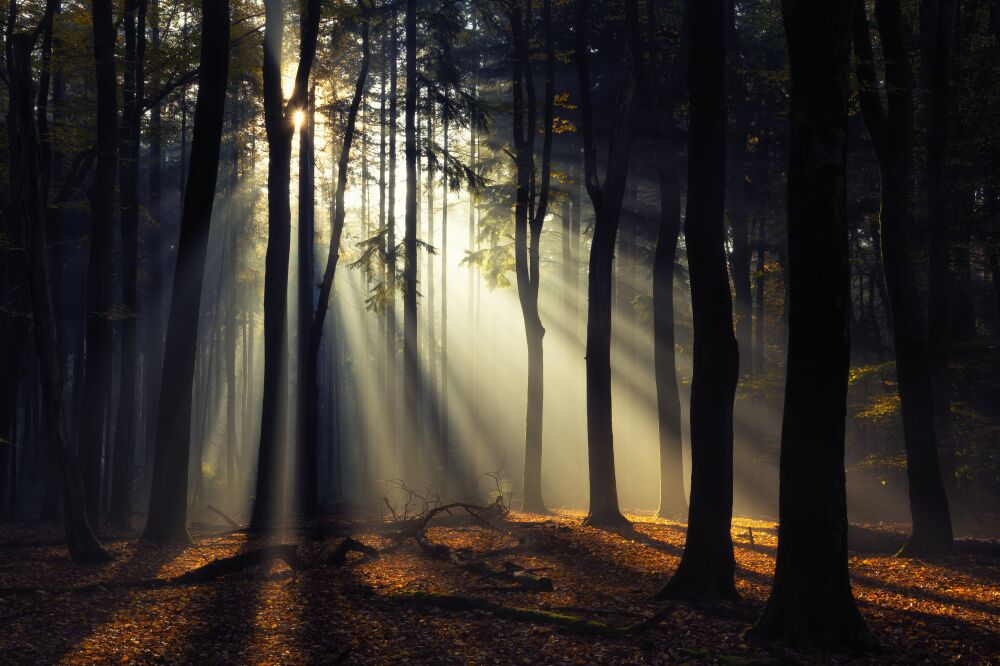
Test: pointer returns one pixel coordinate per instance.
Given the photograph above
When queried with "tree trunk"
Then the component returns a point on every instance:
(738, 199)
(97, 389)
(80, 540)
(892, 138)
(280, 127)
(311, 368)
(390, 241)
(661, 95)
(306, 489)
(707, 566)
(412, 448)
(607, 202)
(128, 175)
(938, 19)
(167, 519)
(527, 232)
(811, 604)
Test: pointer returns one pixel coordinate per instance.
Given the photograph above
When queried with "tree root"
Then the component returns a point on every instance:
(569, 622)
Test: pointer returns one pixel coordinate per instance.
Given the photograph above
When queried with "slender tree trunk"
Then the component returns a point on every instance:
(155, 295)
(167, 519)
(759, 282)
(128, 176)
(412, 448)
(529, 217)
(391, 270)
(607, 202)
(661, 93)
(892, 137)
(326, 286)
(306, 489)
(707, 566)
(280, 127)
(938, 21)
(811, 603)
(100, 271)
(80, 540)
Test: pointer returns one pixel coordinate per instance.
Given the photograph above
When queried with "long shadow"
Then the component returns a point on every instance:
(78, 617)
(224, 625)
(926, 595)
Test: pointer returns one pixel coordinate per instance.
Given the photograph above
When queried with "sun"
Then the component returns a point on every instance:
(299, 117)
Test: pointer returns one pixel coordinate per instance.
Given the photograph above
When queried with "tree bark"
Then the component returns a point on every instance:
(707, 566)
(280, 128)
(529, 217)
(607, 202)
(412, 448)
(661, 95)
(312, 422)
(811, 603)
(167, 519)
(80, 540)
(128, 178)
(892, 139)
(100, 273)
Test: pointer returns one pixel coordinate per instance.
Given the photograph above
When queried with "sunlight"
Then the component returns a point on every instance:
(299, 117)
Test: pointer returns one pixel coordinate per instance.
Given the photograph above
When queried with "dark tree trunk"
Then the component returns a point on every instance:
(938, 21)
(607, 202)
(707, 567)
(892, 138)
(97, 389)
(128, 177)
(738, 200)
(153, 362)
(280, 127)
(811, 603)
(529, 216)
(315, 329)
(661, 94)
(80, 540)
(167, 519)
(411, 365)
(390, 240)
(306, 480)
(759, 281)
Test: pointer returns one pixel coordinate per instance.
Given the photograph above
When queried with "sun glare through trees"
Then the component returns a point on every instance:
(500, 331)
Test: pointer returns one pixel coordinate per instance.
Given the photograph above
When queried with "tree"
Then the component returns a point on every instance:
(279, 123)
(811, 603)
(128, 178)
(167, 519)
(892, 140)
(606, 199)
(529, 217)
(96, 403)
(707, 566)
(661, 94)
(82, 544)
(411, 359)
(315, 330)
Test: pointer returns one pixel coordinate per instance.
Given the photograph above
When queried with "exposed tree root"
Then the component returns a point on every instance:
(570, 622)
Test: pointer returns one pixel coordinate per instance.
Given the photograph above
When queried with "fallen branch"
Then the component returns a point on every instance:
(570, 622)
(225, 516)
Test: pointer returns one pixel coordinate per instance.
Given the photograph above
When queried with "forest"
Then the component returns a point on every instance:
(500, 331)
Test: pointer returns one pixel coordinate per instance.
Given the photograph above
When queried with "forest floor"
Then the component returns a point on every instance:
(399, 607)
